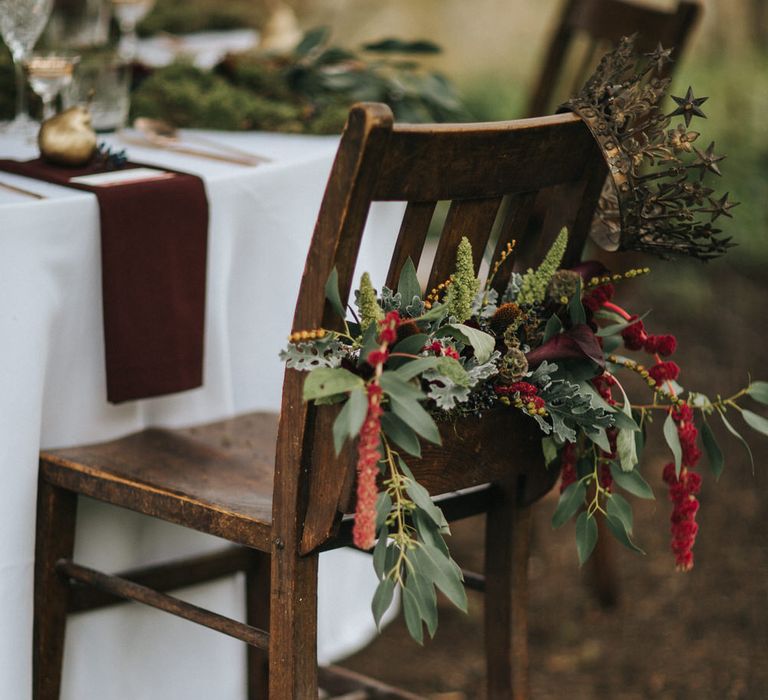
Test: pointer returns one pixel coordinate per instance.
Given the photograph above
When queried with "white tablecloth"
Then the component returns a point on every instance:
(52, 394)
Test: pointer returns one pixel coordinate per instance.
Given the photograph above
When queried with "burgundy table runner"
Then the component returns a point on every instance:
(153, 253)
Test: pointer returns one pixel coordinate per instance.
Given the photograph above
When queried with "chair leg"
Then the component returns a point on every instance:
(507, 544)
(293, 626)
(257, 614)
(56, 511)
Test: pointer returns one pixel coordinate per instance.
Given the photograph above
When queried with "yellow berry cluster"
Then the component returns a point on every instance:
(301, 336)
(504, 255)
(530, 408)
(628, 275)
(434, 295)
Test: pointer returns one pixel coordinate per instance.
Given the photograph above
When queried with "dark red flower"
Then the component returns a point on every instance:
(664, 371)
(377, 357)
(634, 335)
(663, 345)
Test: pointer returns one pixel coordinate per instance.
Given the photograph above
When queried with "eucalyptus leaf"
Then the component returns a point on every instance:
(395, 386)
(755, 421)
(410, 369)
(380, 555)
(326, 381)
(350, 418)
(618, 530)
(383, 508)
(433, 563)
(421, 496)
(411, 412)
(332, 293)
(408, 285)
(482, 343)
(400, 433)
(571, 499)
(382, 599)
(600, 438)
(618, 507)
(412, 344)
(632, 482)
(737, 435)
(759, 391)
(429, 531)
(424, 593)
(586, 536)
(412, 616)
(673, 440)
(712, 449)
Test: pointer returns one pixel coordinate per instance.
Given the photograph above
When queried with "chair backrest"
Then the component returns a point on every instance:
(600, 23)
(494, 175)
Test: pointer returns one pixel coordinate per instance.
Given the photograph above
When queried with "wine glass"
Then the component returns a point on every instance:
(21, 23)
(48, 74)
(128, 14)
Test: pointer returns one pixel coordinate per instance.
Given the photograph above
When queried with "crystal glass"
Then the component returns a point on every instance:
(48, 73)
(21, 23)
(128, 14)
(101, 83)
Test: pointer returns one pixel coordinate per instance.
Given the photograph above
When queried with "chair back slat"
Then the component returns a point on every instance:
(486, 160)
(476, 167)
(472, 218)
(606, 21)
(410, 240)
(517, 213)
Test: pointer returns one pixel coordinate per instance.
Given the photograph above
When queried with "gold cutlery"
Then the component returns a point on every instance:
(162, 132)
(21, 190)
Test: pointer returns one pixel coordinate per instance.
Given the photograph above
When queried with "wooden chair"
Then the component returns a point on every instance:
(272, 485)
(602, 23)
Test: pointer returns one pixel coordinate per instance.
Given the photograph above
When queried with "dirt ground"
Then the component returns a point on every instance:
(698, 635)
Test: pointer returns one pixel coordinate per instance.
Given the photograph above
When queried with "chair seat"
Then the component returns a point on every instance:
(217, 478)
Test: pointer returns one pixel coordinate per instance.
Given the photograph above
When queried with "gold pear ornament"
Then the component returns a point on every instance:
(68, 138)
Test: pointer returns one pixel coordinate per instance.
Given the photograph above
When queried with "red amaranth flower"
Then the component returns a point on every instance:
(377, 357)
(368, 456)
(664, 371)
(634, 335)
(524, 388)
(663, 345)
(683, 489)
(603, 384)
(442, 350)
(388, 328)
(594, 299)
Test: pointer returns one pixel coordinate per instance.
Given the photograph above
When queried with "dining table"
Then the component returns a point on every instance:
(53, 394)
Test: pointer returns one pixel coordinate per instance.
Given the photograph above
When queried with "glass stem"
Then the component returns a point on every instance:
(48, 108)
(21, 88)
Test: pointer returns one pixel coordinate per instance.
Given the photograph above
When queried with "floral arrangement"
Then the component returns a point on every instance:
(551, 346)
